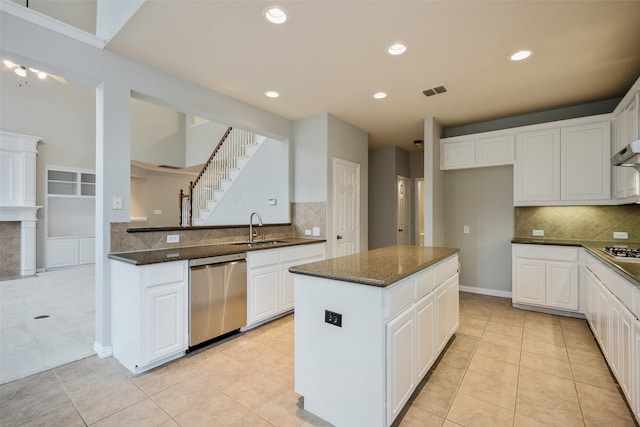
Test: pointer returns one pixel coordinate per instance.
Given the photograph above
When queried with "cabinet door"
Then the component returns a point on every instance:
(495, 150)
(452, 305)
(400, 362)
(635, 369)
(286, 287)
(263, 293)
(537, 167)
(602, 317)
(586, 166)
(165, 329)
(87, 251)
(620, 354)
(562, 285)
(458, 154)
(425, 335)
(442, 328)
(62, 252)
(529, 286)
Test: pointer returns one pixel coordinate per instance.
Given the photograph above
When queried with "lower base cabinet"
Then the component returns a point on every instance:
(635, 367)
(150, 306)
(270, 285)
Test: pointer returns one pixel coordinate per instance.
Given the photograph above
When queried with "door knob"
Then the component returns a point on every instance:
(338, 237)
(400, 230)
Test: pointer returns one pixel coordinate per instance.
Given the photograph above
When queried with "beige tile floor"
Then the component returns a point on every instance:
(505, 367)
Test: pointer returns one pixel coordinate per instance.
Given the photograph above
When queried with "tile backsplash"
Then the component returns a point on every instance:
(578, 222)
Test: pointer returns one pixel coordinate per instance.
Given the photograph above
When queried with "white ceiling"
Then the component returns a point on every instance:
(331, 56)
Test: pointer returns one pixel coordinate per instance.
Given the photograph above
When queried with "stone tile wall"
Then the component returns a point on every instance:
(578, 222)
(9, 249)
(305, 216)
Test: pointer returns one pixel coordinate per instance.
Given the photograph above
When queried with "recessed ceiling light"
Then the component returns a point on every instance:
(521, 54)
(276, 15)
(397, 49)
(379, 95)
(272, 94)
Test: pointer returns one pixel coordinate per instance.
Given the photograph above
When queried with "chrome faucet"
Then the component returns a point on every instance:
(251, 225)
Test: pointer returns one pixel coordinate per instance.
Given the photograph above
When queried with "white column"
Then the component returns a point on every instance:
(28, 248)
(113, 164)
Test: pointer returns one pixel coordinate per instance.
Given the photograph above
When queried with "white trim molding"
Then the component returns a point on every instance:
(102, 352)
(486, 291)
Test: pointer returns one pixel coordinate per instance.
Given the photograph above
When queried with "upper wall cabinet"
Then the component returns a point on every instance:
(563, 165)
(475, 151)
(626, 128)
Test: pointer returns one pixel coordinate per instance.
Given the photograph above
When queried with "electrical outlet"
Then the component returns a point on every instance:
(173, 238)
(157, 211)
(316, 231)
(538, 233)
(620, 235)
(465, 229)
(307, 232)
(333, 318)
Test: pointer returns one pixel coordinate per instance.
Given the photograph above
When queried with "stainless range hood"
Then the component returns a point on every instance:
(628, 156)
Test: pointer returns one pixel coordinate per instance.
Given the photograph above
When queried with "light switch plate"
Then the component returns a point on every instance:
(316, 231)
(116, 203)
(538, 233)
(620, 235)
(465, 229)
(157, 211)
(307, 232)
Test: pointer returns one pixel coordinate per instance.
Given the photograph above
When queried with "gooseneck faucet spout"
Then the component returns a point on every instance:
(251, 225)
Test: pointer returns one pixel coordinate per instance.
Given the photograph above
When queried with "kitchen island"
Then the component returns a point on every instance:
(368, 327)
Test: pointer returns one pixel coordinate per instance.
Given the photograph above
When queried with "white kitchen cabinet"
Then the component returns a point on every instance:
(479, 150)
(585, 171)
(621, 334)
(563, 165)
(546, 276)
(150, 307)
(626, 180)
(62, 252)
(270, 285)
(401, 353)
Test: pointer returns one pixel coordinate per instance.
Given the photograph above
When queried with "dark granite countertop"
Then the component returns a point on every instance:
(155, 256)
(379, 267)
(630, 270)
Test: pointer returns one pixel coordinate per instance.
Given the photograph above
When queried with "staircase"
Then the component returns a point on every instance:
(231, 155)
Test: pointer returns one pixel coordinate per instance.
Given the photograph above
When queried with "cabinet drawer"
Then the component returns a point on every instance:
(399, 297)
(262, 258)
(445, 269)
(292, 253)
(168, 272)
(547, 252)
(425, 282)
(315, 250)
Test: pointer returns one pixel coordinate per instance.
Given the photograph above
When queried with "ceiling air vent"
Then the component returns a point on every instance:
(435, 90)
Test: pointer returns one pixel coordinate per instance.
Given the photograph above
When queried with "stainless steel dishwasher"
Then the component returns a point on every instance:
(217, 296)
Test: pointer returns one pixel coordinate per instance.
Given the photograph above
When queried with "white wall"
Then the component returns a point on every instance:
(310, 160)
(157, 134)
(202, 140)
(481, 198)
(266, 176)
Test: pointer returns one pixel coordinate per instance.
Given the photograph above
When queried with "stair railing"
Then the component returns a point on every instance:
(215, 170)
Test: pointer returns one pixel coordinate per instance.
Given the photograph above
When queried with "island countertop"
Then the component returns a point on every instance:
(379, 267)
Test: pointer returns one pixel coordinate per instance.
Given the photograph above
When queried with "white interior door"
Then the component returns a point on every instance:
(403, 214)
(346, 207)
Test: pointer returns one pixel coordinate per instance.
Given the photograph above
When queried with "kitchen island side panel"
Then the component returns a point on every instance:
(340, 370)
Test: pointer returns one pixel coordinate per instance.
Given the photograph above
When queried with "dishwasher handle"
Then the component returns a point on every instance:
(217, 259)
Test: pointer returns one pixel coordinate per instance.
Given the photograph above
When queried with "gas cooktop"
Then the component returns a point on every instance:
(623, 253)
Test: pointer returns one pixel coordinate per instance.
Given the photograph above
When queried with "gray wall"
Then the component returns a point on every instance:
(481, 198)
(382, 197)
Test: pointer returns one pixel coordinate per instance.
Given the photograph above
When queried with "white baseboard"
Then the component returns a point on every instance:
(101, 351)
(486, 291)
